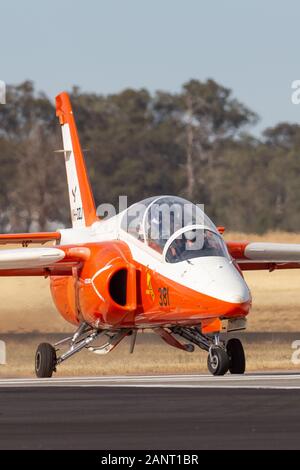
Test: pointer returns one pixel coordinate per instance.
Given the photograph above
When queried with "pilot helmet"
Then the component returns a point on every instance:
(190, 235)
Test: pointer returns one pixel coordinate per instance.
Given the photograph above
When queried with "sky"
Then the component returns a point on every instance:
(104, 46)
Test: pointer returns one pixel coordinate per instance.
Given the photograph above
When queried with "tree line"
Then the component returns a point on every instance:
(196, 143)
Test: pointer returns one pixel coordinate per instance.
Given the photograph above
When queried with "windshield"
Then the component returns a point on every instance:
(154, 220)
(133, 218)
(196, 243)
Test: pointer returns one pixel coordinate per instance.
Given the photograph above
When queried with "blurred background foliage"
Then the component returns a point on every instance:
(196, 143)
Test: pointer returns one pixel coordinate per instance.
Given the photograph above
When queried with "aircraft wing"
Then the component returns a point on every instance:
(41, 261)
(270, 256)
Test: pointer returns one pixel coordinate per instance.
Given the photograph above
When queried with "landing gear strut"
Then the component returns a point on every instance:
(46, 358)
(222, 357)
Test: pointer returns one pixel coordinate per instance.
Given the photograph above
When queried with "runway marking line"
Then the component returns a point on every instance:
(263, 381)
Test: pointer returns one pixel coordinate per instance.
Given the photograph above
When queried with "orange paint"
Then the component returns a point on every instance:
(102, 283)
(27, 238)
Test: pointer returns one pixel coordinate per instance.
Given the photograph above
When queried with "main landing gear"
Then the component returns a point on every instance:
(222, 357)
(46, 358)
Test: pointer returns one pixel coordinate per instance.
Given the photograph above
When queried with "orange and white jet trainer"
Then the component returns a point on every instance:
(160, 265)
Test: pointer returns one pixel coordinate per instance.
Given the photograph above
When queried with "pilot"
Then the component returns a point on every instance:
(177, 249)
(139, 232)
(155, 234)
(209, 244)
(190, 237)
(203, 249)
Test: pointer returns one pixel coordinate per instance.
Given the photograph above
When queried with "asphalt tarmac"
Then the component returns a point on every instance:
(259, 411)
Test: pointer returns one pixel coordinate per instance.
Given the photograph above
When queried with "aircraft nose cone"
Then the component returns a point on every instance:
(228, 283)
(239, 298)
(238, 292)
(219, 278)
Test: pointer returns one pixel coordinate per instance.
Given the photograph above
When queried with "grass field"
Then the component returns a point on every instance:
(28, 316)
(151, 356)
(276, 295)
(27, 306)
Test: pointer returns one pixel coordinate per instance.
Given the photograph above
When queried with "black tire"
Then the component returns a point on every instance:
(236, 354)
(45, 360)
(218, 361)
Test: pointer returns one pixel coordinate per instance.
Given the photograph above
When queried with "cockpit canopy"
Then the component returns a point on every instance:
(173, 227)
(195, 243)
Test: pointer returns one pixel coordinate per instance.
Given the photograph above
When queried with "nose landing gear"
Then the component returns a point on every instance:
(222, 357)
(217, 361)
(236, 355)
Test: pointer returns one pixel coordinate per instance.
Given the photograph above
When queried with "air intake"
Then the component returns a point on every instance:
(118, 287)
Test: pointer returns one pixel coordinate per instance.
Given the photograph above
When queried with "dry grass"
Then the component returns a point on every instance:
(26, 306)
(151, 356)
(276, 295)
(276, 237)
(276, 300)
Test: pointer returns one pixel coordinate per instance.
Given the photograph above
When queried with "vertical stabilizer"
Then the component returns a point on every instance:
(83, 210)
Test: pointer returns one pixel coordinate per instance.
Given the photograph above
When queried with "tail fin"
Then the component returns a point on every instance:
(83, 210)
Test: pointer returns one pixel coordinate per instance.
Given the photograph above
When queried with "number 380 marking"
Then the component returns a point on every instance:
(164, 296)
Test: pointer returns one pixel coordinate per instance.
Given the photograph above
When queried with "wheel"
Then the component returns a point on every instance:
(236, 354)
(218, 361)
(45, 360)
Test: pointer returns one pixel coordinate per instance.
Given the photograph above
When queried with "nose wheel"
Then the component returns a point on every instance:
(217, 361)
(236, 355)
(222, 357)
(232, 359)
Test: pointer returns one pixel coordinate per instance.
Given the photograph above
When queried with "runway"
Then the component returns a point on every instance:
(251, 381)
(260, 411)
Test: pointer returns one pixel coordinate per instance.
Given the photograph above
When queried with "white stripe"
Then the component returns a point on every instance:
(94, 277)
(76, 206)
(167, 381)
